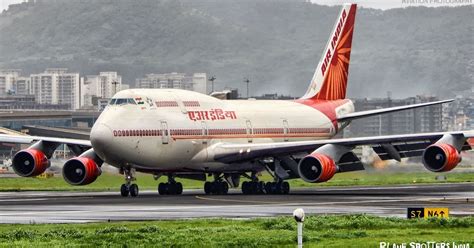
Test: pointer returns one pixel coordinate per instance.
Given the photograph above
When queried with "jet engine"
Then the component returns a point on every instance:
(441, 157)
(82, 170)
(327, 160)
(30, 162)
(317, 168)
(34, 160)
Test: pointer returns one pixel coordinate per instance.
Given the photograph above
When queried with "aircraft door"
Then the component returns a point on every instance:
(164, 132)
(205, 132)
(286, 130)
(180, 104)
(249, 131)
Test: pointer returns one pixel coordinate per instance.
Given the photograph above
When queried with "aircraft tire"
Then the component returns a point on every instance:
(278, 188)
(179, 188)
(225, 188)
(261, 187)
(172, 188)
(246, 189)
(207, 188)
(285, 188)
(162, 189)
(269, 188)
(256, 187)
(124, 190)
(134, 190)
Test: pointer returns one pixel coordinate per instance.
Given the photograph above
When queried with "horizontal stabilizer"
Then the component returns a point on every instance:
(367, 113)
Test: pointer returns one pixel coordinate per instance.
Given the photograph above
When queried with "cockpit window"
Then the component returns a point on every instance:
(122, 101)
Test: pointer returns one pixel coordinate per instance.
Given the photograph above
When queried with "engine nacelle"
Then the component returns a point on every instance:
(317, 168)
(81, 171)
(441, 157)
(30, 162)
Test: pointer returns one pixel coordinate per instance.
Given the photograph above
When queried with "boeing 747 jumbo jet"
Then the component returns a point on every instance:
(184, 134)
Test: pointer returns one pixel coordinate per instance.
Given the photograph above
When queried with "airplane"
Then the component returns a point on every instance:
(184, 134)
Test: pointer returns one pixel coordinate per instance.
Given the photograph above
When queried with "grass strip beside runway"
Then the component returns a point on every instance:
(112, 182)
(319, 231)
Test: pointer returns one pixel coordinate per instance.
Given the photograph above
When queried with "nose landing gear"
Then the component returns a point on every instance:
(128, 188)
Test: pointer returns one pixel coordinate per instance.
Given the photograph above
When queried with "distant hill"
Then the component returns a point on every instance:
(275, 43)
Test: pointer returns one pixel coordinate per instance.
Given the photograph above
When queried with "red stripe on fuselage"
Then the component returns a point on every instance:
(328, 108)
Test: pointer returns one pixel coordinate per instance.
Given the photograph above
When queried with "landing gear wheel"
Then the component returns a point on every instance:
(170, 188)
(254, 188)
(260, 187)
(179, 188)
(278, 188)
(162, 189)
(225, 188)
(208, 188)
(124, 191)
(216, 188)
(133, 190)
(269, 188)
(128, 188)
(285, 188)
(246, 188)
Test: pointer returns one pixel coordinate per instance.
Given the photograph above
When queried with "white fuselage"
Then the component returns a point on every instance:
(175, 130)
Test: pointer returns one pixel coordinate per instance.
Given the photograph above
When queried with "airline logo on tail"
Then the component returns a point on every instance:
(330, 78)
(334, 40)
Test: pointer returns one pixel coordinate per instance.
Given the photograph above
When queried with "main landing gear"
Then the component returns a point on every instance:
(256, 187)
(269, 188)
(171, 187)
(217, 187)
(128, 188)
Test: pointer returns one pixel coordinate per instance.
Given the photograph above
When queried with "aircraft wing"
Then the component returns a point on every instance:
(367, 113)
(26, 139)
(387, 147)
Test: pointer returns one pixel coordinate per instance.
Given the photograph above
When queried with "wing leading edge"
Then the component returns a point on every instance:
(368, 113)
(25, 139)
(407, 145)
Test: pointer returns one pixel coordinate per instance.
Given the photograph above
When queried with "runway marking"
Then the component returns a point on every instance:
(446, 200)
(241, 201)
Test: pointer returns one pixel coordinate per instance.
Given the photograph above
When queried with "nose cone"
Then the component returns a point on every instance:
(101, 137)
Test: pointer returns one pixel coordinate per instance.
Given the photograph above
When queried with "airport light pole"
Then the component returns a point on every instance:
(298, 214)
(247, 81)
(212, 79)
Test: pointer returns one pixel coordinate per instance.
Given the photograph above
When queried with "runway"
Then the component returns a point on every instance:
(68, 207)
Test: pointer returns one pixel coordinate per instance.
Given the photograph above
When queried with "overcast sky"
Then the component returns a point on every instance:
(377, 4)
(388, 4)
(4, 3)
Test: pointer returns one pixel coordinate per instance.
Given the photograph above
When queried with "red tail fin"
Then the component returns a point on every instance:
(330, 78)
